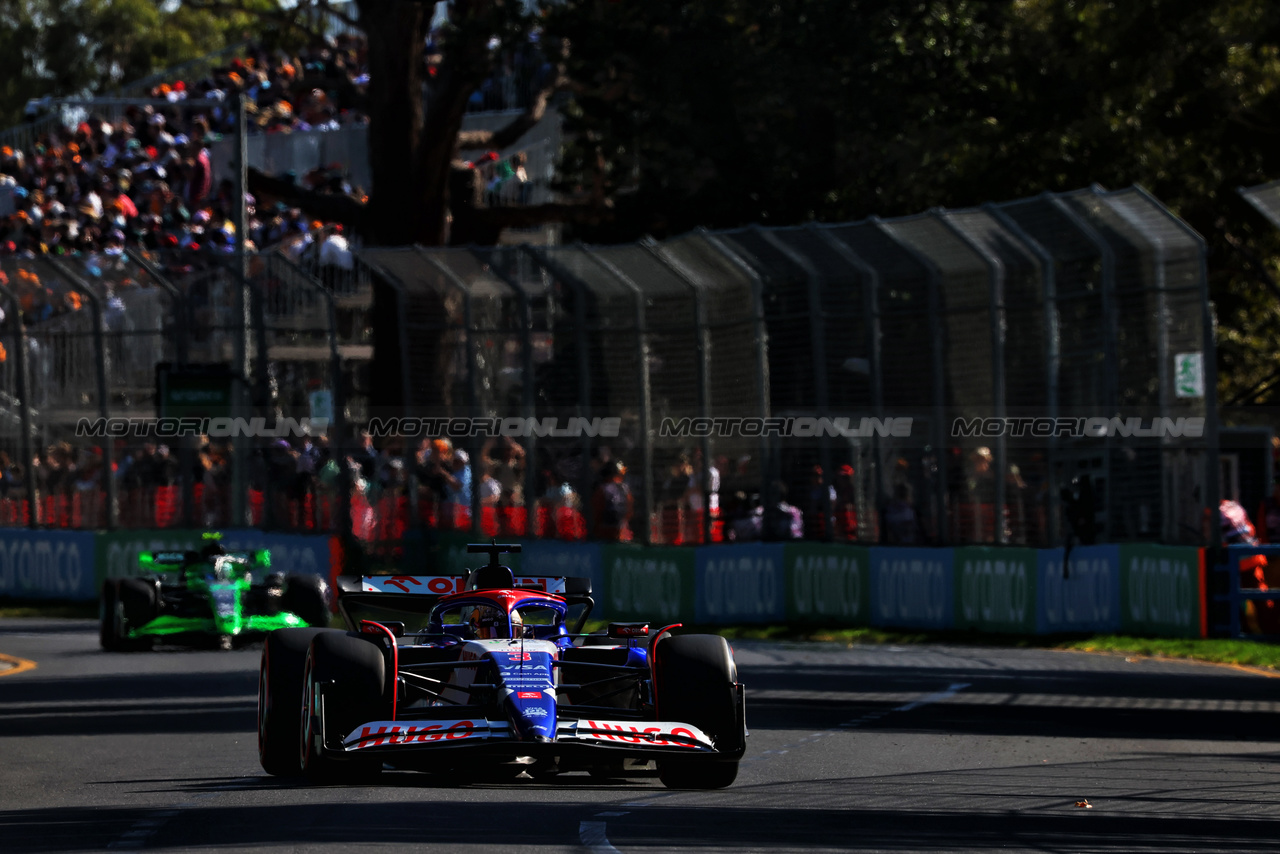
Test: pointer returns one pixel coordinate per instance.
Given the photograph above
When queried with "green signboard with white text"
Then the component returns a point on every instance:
(828, 584)
(1161, 591)
(655, 584)
(995, 589)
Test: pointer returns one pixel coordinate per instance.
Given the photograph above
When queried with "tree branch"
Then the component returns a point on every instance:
(354, 23)
(279, 18)
(533, 215)
(509, 135)
(332, 207)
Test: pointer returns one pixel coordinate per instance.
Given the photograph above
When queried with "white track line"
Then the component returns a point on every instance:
(951, 691)
(592, 834)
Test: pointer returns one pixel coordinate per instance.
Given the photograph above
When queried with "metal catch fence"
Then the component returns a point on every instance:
(1018, 373)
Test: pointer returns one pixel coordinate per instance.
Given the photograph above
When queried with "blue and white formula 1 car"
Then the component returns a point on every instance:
(482, 676)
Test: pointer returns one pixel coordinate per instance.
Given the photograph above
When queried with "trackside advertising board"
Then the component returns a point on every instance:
(912, 588)
(1140, 589)
(741, 584)
(1084, 598)
(828, 584)
(117, 551)
(55, 565)
(1162, 591)
(655, 584)
(555, 559)
(996, 589)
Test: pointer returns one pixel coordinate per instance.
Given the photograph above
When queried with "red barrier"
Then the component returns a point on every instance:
(570, 524)
(513, 521)
(257, 506)
(168, 506)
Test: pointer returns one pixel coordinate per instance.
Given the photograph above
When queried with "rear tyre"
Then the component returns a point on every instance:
(308, 597)
(695, 683)
(284, 657)
(110, 616)
(353, 672)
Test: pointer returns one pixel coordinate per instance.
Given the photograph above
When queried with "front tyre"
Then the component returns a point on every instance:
(353, 673)
(284, 657)
(127, 603)
(110, 616)
(696, 683)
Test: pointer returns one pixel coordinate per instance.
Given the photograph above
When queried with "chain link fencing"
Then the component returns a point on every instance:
(1021, 373)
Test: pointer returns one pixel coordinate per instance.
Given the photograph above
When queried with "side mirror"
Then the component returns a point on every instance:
(370, 627)
(628, 630)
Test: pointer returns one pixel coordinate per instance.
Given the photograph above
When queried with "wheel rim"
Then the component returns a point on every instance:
(308, 692)
(264, 705)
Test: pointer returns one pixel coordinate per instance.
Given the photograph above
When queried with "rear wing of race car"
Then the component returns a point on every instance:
(168, 561)
(164, 561)
(444, 585)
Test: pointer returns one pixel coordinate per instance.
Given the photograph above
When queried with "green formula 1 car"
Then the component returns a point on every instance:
(206, 598)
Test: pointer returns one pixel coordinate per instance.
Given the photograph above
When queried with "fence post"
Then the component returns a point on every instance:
(871, 306)
(24, 405)
(1109, 340)
(815, 281)
(1213, 487)
(100, 369)
(181, 329)
(581, 342)
(996, 277)
(761, 334)
(936, 335)
(473, 392)
(339, 425)
(704, 371)
(527, 409)
(181, 308)
(242, 320)
(646, 392)
(1053, 349)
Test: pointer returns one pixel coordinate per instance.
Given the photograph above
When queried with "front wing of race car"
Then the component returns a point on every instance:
(413, 741)
(167, 625)
(648, 735)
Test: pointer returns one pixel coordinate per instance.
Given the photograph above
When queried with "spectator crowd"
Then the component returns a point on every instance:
(144, 178)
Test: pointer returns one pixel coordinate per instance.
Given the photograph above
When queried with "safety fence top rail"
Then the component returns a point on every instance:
(1265, 198)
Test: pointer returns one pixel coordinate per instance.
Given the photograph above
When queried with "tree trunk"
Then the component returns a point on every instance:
(400, 201)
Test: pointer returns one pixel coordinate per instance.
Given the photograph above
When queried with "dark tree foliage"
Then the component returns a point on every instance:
(725, 112)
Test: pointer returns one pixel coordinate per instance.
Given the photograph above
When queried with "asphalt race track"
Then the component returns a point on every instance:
(863, 749)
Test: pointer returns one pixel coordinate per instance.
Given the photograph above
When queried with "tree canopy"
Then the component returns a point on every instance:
(718, 113)
(92, 46)
(726, 112)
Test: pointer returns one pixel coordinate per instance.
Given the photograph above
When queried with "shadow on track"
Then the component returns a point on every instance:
(1130, 704)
